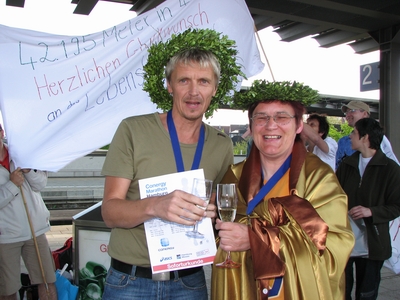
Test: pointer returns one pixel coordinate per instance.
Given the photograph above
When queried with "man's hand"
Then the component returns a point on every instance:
(182, 207)
(178, 206)
(211, 212)
(358, 212)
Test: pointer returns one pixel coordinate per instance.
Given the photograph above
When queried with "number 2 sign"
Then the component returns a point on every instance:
(369, 77)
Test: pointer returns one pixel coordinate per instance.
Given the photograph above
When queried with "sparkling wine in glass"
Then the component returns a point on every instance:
(227, 205)
(202, 188)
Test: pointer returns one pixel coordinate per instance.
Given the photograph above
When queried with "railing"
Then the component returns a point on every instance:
(78, 186)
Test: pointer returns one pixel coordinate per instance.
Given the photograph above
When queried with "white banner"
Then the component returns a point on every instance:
(63, 97)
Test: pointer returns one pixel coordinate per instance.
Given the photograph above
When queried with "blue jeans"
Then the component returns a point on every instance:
(121, 286)
(368, 278)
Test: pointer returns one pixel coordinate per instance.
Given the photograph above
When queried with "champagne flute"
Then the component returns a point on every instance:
(227, 204)
(202, 188)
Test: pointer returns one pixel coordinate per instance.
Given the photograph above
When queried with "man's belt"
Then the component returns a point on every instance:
(146, 272)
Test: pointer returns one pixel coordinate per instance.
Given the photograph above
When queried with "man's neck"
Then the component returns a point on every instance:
(188, 131)
(368, 152)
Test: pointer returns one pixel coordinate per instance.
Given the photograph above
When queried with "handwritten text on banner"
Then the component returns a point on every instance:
(63, 97)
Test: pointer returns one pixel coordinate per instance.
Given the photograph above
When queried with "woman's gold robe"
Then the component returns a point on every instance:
(312, 243)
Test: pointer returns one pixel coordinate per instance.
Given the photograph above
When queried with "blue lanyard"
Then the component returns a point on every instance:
(177, 149)
(269, 185)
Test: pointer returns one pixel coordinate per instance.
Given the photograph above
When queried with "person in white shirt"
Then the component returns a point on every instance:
(315, 135)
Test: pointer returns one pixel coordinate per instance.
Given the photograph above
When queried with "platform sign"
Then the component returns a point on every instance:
(369, 77)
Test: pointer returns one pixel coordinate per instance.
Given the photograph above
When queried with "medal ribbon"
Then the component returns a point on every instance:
(177, 149)
(269, 185)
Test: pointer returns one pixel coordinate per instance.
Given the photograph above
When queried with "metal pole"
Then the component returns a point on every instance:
(265, 55)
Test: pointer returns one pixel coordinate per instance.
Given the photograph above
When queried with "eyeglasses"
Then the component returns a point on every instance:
(352, 111)
(280, 118)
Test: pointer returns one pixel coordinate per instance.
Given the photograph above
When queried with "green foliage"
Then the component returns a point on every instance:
(205, 39)
(336, 134)
(240, 148)
(276, 90)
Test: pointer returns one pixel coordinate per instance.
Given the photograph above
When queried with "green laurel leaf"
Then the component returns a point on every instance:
(277, 90)
(206, 39)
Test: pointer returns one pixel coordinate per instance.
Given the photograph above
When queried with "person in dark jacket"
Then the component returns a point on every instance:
(371, 182)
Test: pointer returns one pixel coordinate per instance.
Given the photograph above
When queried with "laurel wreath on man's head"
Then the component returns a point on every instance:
(205, 39)
(276, 90)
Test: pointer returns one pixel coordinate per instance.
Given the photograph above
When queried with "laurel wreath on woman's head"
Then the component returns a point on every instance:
(205, 39)
(276, 90)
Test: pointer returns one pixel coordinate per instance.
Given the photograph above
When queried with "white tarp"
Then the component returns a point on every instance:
(63, 97)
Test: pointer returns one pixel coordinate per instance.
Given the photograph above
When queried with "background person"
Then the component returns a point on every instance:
(371, 182)
(249, 140)
(141, 148)
(315, 134)
(354, 111)
(290, 244)
(15, 233)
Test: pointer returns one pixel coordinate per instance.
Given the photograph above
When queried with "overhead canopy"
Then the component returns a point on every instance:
(331, 23)
(331, 105)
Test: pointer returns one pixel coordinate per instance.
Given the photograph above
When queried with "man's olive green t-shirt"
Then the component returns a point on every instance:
(141, 148)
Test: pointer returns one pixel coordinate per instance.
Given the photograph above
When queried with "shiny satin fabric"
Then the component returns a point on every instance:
(313, 262)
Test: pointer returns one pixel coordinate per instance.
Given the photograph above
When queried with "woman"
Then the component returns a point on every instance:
(19, 194)
(295, 242)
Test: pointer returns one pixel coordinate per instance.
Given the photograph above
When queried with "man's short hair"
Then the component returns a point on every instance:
(323, 124)
(356, 105)
(203, 57)
(373, 129)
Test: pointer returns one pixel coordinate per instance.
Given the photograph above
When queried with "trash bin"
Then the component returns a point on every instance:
(90, 260)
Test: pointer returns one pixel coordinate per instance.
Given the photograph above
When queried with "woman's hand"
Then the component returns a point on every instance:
(17, 177)
(233, 236)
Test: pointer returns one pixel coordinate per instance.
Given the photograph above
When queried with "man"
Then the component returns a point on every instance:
(141, 148)
(315, 134)
(16, 187)
(371, 182)
(354, 111)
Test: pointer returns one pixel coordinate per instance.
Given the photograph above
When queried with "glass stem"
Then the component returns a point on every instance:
(195, 227)
(228, 256)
